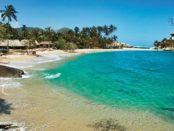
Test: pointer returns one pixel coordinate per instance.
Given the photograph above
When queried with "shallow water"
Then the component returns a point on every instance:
(51, 98)
(132, 79)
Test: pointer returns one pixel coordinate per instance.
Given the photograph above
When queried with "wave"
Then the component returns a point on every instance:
(38, 69)
(33, 62)
(53, 76)
(10, 84)
(26, 75)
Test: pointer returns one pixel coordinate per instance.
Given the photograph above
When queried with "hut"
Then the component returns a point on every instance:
(45, 44)
(12, 44)
(36, 43)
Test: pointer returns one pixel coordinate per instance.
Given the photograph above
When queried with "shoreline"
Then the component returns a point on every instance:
(37, 106)
(28, 61)
(40, 107)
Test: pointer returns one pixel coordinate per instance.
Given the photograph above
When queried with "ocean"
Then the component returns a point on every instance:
(136, 80)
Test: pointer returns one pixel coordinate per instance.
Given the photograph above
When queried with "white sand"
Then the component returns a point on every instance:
(24, 61)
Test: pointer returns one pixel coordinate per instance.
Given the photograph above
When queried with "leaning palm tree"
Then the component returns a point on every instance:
(9, 13)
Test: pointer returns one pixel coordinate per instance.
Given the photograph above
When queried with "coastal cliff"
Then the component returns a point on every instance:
(6, 71)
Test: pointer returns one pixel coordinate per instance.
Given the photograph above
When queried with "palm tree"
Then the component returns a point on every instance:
(112, 29)
(24, 32)
(105, 30)
(9, 13)
(100, 29)
(93, 31)
(114, 38)
(76, 29)
(49, 33)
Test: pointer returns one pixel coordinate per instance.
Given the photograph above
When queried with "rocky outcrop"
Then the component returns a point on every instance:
(6, 71)
(165, 44)
(119, 45)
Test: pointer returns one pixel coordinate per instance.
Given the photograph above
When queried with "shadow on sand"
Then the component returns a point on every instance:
(5, 107)
(107, 125)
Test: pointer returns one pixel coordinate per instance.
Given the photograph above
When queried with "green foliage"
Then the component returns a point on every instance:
(2, 32)
(9, 13)
(71, 46)
(65, 38)
(87, 37)
(62, 44)
(164, 43)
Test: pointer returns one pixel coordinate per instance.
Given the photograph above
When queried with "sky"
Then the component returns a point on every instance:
(139, 22)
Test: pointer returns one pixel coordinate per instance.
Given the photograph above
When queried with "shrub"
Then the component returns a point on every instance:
(71, 46)
(61, 44)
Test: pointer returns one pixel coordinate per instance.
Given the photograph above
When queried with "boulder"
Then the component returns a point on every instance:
(6, 71)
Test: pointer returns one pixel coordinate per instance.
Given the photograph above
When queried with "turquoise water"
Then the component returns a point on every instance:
(131, 79)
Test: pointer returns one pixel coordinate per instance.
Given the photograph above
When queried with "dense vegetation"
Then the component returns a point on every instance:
(165, 43)
(86, 37)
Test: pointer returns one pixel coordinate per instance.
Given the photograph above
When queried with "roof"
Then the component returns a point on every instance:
(36, 42)
(45, 43)
(12, 43)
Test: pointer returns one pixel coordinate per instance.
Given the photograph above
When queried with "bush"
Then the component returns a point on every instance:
(61, 44)
(71, 46)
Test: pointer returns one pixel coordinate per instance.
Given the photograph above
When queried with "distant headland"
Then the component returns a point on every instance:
(165, 44)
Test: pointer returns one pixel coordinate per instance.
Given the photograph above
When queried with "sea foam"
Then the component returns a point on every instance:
(53, 76)
(7, 83)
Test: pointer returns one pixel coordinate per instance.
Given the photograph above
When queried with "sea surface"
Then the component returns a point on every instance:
(135, 80)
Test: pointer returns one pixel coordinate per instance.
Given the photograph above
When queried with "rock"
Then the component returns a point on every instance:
(7, 126)
(6, 71)
(119, 45)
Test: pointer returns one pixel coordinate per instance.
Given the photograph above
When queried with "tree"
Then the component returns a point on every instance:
(49, 33)
(156, 43)
(112, 29)
(100, 29)
(114, 38)
(9, 13)
(36, 34)
(2, 32)
(24, 32)
(105, 30)
(76, 30)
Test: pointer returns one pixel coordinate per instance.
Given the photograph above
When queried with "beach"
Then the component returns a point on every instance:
(52, 55)
(34, 105)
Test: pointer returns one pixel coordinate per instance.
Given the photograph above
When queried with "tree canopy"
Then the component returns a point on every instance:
(86, 37)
